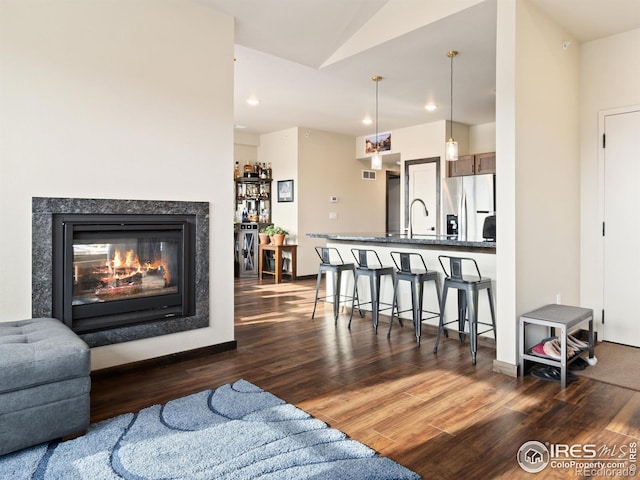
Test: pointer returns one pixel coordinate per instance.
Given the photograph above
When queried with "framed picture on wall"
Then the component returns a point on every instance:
(285, 190)
(382, 143)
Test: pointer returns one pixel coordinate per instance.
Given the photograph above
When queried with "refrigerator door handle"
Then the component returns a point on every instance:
(462, 217)
(459, 213)
(466, 219)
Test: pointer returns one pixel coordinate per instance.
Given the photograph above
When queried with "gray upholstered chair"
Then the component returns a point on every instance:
(44, 383)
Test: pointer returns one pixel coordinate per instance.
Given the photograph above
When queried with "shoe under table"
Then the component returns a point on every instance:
(44, 383)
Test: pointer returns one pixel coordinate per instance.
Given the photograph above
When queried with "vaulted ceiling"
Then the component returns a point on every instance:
(310, 62)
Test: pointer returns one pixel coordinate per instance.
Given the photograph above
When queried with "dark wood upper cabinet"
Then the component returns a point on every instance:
(485, 163)
(463, 166)
(472, 165)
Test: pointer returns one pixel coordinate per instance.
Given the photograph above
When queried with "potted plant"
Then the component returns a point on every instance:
(277, 237)
(265, 233)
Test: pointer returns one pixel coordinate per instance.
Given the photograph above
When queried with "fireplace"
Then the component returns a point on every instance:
(121, 270)
(113, 270)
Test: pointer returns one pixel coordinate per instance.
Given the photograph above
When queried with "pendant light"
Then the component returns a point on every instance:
(451, 149)
(376, 158)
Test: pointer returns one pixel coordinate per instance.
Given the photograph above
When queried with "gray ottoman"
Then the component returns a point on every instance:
(44, 383)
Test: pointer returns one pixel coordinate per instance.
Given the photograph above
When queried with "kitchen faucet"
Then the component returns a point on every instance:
(426, 212)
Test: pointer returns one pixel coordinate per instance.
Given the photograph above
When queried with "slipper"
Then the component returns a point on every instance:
(539, 350)
(571, 351)
(545, 373)
(579, 344)
(551, 374)
(551, 349)
(578, 364)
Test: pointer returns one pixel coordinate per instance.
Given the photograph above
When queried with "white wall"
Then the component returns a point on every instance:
(482, 138)
(506, 289)
(120, 100)
(244, 153)
(245, 148)
(281, 150)
(547, 162)
(538, 195)
(321, 164)
(327, 168)
(421, 141)
(428, 140)
(610, 78)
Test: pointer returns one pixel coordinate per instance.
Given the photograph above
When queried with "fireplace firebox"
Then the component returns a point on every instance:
(115, 270)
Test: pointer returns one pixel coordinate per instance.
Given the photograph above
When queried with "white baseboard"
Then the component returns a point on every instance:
(506, 368)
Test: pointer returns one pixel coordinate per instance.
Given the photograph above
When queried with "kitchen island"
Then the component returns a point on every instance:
(447, 242)
(430, 246)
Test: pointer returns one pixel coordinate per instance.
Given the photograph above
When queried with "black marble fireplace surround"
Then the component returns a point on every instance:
(43, 212)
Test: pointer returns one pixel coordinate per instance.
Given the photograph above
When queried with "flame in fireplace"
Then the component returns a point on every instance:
(121, 268)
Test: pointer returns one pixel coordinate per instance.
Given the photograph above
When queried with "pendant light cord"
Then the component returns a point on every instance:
(376, 78)
(451, 92)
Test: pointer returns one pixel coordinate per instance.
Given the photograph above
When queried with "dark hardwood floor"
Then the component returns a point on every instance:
(436, 414)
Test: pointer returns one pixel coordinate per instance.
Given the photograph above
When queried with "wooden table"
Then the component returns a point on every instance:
(278, 249)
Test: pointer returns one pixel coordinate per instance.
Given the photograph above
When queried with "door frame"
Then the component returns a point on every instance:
(602, 115)
(390, 174)
(419, 161)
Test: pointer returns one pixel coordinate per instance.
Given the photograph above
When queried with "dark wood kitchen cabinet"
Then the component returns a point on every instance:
(463, 166)
(485, 163)
(472, 165)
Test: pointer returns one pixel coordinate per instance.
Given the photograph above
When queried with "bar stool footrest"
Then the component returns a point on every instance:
(445, 328)
(431, 314)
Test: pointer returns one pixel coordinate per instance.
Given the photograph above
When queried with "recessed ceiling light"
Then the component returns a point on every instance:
(239, 126)
(253, 101)
(367, 121)
(430, 106)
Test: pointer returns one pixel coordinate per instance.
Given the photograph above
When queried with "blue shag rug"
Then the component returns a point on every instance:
(236, 431)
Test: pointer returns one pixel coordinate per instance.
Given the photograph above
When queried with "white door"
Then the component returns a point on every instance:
(622, 228)
(423, 184)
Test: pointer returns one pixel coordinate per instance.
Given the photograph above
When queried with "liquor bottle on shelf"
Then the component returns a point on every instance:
(269, 170)
(236, 172)
(253, 192)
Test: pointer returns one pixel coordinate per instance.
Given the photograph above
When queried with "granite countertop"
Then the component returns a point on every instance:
(402, 238)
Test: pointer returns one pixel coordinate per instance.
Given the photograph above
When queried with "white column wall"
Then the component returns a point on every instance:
(537, 160)
(506, 306)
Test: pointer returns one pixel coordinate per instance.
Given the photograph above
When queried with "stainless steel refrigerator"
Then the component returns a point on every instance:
(466, 202)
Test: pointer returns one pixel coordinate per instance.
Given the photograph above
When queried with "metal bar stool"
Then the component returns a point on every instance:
(331, 261)
(368, 264)
(411, 267)
(468, 287)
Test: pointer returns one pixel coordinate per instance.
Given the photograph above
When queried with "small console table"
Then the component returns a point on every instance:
(563, 318)
(277, 272)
